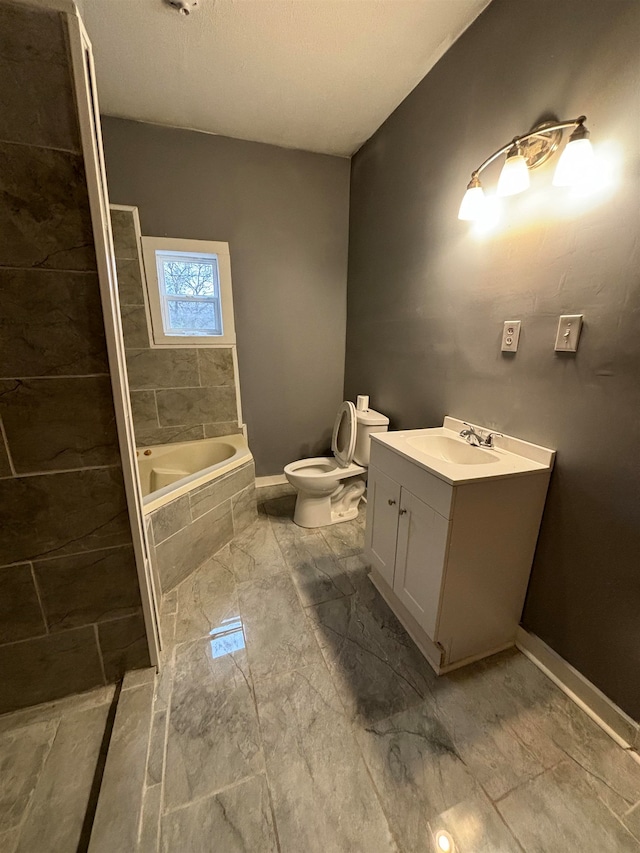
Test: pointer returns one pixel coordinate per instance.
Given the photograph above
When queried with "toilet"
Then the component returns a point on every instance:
(330, 487)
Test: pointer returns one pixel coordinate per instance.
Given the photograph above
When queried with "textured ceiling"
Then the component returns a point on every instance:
(321, 75)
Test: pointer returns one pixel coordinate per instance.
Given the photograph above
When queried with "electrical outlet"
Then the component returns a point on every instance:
(510, 335)
(569, 327)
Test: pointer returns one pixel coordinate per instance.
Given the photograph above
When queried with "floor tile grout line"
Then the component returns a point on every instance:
(595, 776)
(216, 792)
(261, 738)
(263, 679)
(32, 795)
(172, 664)
(20, 825)
(302, 606)
(505, 823)
(513, 732)
(521, 783)
(291, 571)
(615, 815)
(52, 705)
(145, 787)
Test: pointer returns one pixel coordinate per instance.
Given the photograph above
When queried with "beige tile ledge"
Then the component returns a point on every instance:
(117, 816)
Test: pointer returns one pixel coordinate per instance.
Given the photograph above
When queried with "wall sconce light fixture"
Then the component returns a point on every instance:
(527, 152)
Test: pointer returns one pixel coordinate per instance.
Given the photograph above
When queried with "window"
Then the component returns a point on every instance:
(189, 289)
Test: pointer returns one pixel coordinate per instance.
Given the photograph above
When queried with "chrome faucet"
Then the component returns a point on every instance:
(476, 439)
(471, 435)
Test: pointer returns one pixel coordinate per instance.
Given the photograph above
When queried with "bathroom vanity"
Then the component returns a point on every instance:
(451, 534)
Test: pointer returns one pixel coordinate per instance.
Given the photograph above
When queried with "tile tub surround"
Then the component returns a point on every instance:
(323, 727)
(177, 394)
(69, 599)
(188, 530)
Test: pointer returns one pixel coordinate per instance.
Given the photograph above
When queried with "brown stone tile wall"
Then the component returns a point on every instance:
(177, 394)
(70, 615)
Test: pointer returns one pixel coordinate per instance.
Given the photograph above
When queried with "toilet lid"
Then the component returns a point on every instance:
(343, 442)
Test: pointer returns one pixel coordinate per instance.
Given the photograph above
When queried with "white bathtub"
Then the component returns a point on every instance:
(168, 471)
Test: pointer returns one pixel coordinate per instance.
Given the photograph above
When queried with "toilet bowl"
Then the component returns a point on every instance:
(330, 487)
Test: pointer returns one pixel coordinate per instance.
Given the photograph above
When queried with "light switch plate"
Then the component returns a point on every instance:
(568, 335)
(510, 335)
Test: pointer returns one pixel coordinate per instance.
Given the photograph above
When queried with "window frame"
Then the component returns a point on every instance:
(156, 299)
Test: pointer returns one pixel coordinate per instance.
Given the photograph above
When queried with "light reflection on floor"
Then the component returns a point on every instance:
(227, 637)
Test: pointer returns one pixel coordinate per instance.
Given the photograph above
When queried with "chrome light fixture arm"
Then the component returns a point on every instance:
(539, 131)
(526, 152)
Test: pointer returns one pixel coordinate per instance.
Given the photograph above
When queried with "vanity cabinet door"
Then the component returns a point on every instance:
(383, 502)
(420, 558)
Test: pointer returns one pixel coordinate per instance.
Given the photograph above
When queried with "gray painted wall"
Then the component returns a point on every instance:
(285, 216)
(70, 612)
(427, 300)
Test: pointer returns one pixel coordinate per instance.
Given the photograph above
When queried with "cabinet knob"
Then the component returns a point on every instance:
(402, 511)
(391, 502)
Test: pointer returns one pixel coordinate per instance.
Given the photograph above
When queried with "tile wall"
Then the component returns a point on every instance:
(177, 394)
(70, 615)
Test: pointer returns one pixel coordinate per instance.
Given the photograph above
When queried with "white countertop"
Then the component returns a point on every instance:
(510, 457)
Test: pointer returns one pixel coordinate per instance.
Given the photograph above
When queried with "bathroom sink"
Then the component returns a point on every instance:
(445, 453)
(452, 450)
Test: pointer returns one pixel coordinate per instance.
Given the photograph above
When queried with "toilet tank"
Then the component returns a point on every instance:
(369, 422)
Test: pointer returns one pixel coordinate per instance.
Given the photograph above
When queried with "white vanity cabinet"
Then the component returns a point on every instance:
(451, 556)
(408, 543)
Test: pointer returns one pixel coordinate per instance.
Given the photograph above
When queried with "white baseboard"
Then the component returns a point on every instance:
(601, 709)
(274, 480)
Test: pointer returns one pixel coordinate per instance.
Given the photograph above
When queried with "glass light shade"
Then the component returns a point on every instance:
(576, 164)
(444, 842)
(514, 177)
(473, 205)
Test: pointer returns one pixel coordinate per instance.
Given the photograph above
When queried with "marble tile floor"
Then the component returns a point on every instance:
(294, 714)
(48, 759)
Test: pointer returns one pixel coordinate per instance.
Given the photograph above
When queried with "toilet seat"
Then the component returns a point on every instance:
(323, 468)
(343, 441)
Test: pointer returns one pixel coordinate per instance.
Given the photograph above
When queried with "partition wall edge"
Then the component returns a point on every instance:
(91, 140)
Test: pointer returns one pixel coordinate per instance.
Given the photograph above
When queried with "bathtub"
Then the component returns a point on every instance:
(197, 496)
(168, 471)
